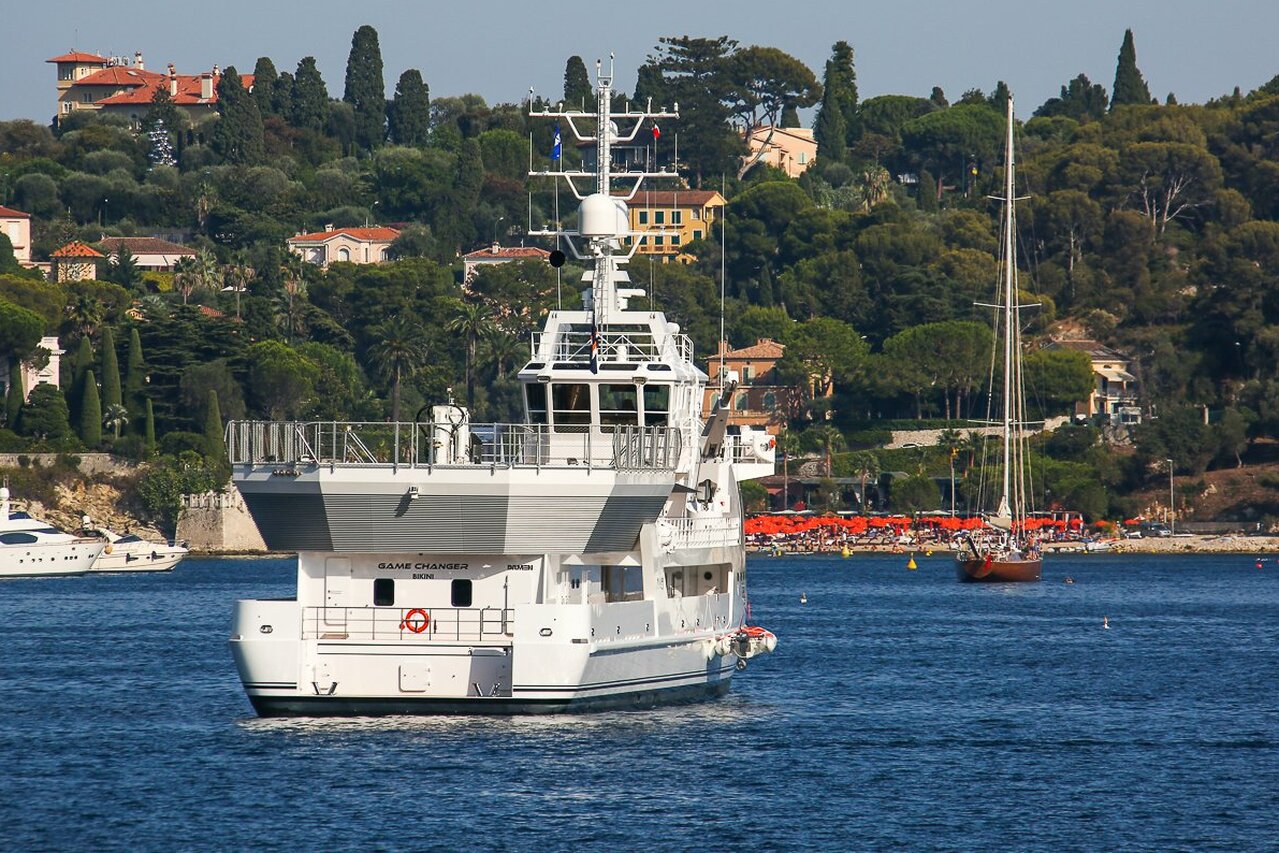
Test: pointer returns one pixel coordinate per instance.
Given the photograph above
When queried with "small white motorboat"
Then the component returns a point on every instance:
(131, 553)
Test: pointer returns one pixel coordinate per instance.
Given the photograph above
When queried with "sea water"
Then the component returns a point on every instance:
(901, 709)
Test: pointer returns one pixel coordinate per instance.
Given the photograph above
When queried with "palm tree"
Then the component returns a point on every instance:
(294, 275)
(503, 349)
(84, 313)
(116, 417)
(400, 350)
(207, 272)
(238, 275)
(787, 445)
(471, 321)
(185, 278)
(828, 440)
(866, 467)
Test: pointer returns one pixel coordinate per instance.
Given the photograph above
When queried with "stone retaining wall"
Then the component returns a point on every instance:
(90, 463)
(219, 522)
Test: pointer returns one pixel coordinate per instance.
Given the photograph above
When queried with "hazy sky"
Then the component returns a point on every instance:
(499, 48)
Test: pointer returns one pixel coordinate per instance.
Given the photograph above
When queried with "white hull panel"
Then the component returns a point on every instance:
(142, 557)
(48, 560)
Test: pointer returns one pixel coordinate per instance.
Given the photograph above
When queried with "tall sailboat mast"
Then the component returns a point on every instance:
(1011, 378)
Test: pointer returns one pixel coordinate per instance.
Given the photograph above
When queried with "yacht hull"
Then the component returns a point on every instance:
(982, 570)
(48, 560)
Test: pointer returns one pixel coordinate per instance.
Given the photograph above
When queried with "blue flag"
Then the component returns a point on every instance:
(556, 147)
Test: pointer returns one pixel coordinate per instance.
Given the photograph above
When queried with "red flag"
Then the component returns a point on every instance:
(657, 133)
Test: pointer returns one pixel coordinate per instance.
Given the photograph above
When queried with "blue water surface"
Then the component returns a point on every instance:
(901, 709)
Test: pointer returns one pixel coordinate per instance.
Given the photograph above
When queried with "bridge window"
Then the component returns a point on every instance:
(384, 592)
(535, 394)
(657, 404)
(619, 404)
(571, 403)
(462, 592)
(17, 538)
(622, 583)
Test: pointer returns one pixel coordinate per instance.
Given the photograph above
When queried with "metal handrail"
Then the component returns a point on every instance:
(442, 624)
(614, 346)
(293, 444)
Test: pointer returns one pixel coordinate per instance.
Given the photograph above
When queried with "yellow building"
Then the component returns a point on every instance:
(671, 219)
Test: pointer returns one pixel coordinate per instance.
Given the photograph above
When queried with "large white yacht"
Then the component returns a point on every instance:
(591, 557)
(30, 547)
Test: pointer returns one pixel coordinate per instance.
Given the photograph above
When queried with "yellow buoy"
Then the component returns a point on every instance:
(845, 553)
(911, 565)
(928, 553)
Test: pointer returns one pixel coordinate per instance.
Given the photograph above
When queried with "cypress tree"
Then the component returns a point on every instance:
(1130, 87)
(310, 108)
(237, 136)
(264, 80)
(1000, 97)
(938, 97)
(110, 372)
(81, 364)
(90, 422)
(150, 433)
(17, 394)
(282, 96)
(409, 115)
(135, 379)
(841, 75)
(213, 439)
(577, 84)
(829, 131)
(365, 88)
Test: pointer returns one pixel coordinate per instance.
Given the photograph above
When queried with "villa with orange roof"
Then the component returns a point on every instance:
(344, 245)
(498, 254)
(16, 225)
(114, 86)
(76, 261)
(761, 398)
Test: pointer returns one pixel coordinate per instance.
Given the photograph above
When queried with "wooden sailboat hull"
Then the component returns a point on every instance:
(983, 570)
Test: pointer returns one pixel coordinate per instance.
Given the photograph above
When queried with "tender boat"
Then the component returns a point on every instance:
(30, 547)
(1008, 551)
(131, 553)
(590, 557)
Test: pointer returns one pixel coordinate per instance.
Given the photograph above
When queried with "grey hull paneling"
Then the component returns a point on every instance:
(290, 522)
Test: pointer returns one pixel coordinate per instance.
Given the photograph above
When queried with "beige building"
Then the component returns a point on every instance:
(670, 219)
(32, 375)
(496, 254)
(760, 399)
(76, 261)
(344, 245)
(1115, 389)
(116, 86)
(16, 225)
(791, 149)
(149, 253)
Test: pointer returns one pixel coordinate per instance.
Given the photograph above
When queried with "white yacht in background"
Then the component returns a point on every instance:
(132, 553)
(32, 548)
(591, 557)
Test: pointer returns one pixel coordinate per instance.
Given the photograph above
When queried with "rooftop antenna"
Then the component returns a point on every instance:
(723, 277)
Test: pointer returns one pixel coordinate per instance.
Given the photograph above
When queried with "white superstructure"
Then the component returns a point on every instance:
(30, 547)
(589, 557)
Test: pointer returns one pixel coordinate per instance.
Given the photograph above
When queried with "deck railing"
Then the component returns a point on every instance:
(699, 532)
(426, 445)
(437, 624)
(614, 346)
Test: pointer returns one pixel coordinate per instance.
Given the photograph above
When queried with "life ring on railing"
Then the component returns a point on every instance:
(407, 623)
(107, 549)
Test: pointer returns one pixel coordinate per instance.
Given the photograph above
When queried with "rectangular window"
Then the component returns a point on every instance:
(677, 217)
(571, 404)
(622, 583)
(384, 592)
(748, 373)
(619, 404)
(462, 592)
(657, 404)
(535, 394)
(643, 217)
(659, 240)
(697, 233)
(659, 217)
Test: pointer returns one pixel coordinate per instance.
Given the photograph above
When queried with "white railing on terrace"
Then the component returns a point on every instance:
(615, 346)
(442, 624)
(425, 445)
(698, 532)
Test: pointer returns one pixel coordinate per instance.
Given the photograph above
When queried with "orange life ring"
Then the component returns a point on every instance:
(408, 624)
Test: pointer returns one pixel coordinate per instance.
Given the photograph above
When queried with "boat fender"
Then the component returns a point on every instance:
(107, 549)
(416, 620)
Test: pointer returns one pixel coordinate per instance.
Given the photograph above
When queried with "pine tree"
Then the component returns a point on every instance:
(365, 89)
(16, 396)
(264, 80)
(237, 136)
(409, 115)
(149, 437)
(110, 371)
(135, 378)
(310, 109)
(938, 97)
(90, 421)
(1130, 87)
(578, 93)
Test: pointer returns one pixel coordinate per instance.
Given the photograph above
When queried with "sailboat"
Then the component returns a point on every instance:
(1008, 552)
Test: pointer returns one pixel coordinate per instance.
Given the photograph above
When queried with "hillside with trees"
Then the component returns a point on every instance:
(1151, 227)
